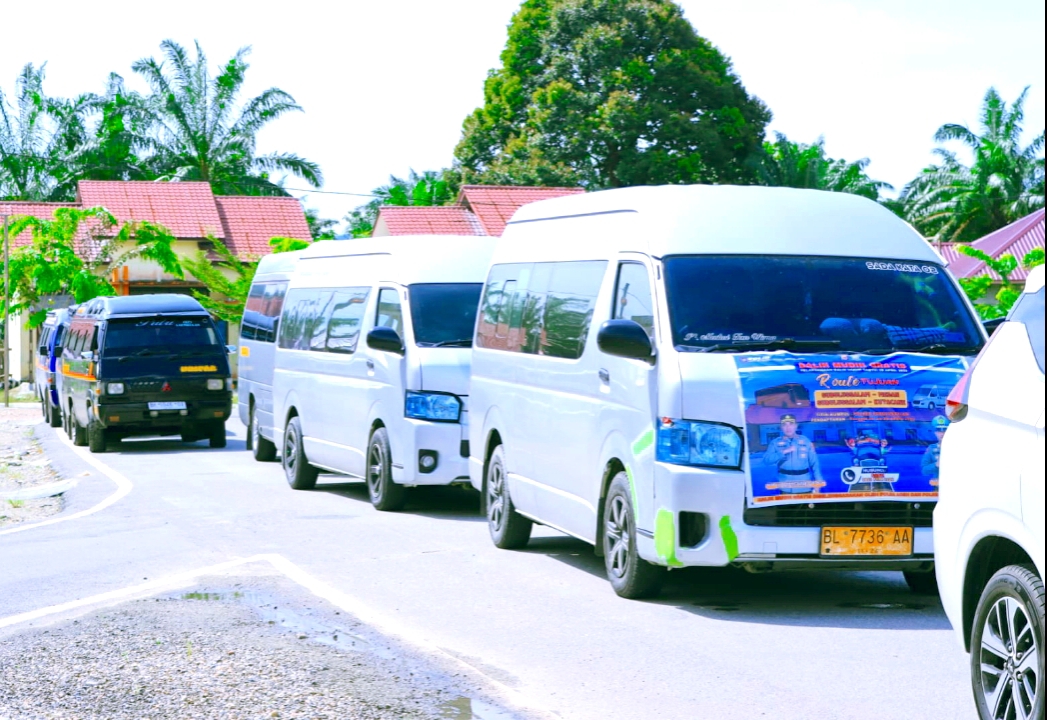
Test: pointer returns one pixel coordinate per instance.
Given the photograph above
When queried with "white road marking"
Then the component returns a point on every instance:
(123, 486)
(510, 697)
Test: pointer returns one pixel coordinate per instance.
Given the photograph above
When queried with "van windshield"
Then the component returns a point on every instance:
(736, 303)
(444, 314)
(144, 336)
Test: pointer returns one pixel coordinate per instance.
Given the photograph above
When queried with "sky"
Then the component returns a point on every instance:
(385, 85)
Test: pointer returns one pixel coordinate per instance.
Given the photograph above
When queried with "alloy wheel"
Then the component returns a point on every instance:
(1010, 661)
(255, 434)
(496, 495)
(290, 451)
(617, 533)
(375, 469)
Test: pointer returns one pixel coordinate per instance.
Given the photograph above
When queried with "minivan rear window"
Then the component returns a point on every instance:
(735, 302)
(126, 337)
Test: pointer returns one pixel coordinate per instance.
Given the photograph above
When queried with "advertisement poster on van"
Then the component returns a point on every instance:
(844, 427)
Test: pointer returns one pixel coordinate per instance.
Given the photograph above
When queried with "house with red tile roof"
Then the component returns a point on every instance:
(192, 213)
(1016, 239)
(479, 210)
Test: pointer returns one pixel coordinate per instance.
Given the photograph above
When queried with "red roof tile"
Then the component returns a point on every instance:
(494, 205)
(1017, 239)
(41, 210)
(446, 220)
(250, 222)
(187, 209)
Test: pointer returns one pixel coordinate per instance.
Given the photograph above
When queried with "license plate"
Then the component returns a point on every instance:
(866, 541)
(167, 406)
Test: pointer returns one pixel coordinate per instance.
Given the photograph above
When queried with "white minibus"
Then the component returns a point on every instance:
(372, 362)
(258, 351)
(714, 375)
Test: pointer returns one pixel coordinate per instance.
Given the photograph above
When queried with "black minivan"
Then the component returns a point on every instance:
(144, 365)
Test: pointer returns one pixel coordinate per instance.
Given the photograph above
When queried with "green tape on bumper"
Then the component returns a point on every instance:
(643, 442)
(730, 540)
(665, 538)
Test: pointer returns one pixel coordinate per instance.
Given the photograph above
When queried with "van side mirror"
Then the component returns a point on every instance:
(385, 339)
(231, 349)
(87, 355)
(993, 323)
(625, 338)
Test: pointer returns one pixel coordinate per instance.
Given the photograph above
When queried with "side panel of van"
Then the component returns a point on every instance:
(258, 334)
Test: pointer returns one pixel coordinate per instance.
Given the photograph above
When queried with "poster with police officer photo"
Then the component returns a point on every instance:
(844, 427)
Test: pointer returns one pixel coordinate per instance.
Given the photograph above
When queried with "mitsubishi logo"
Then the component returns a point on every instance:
(166, 387)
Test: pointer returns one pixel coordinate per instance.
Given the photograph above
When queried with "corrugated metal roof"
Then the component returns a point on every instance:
(1016, 239)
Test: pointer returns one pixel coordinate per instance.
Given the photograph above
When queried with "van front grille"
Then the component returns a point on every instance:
(842, 513)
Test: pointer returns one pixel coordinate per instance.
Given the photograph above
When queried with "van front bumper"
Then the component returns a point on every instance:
(720, 496)
(137, 417)
(447, 444)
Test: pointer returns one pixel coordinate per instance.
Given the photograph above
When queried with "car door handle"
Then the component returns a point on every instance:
(605, 377)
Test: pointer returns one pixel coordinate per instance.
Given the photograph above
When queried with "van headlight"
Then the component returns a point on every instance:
(438, 407)
(699, 444)
(215, 383)
(114, 388)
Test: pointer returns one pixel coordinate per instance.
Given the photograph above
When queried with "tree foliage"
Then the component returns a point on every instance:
(979, 287)
(228, 281)
(53, 264)
(798, 165)
(426, 189)
(951, 201)
(609, 93)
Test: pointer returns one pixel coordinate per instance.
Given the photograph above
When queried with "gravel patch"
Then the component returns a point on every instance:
(233, 649)
(23, 465)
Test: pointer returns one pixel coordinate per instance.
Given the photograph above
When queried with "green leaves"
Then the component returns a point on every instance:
(978, 287)
(228, 280)
(789, 164)
(607, 93)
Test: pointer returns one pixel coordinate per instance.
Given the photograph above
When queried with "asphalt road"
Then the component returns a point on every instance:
(543, 621)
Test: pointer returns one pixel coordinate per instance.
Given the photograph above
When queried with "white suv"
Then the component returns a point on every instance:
(988, 525)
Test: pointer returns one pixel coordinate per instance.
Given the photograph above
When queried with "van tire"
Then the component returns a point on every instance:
(386, 495)
(299, 473)
(509, 529)
(630, 575)
(216, 438)
(1021, 590)
(96, 437)
(67, 423)
(54, 415)
(262, 449)
(79, 432)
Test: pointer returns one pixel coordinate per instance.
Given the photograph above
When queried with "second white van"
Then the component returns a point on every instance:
(372, 362)
(697, 375)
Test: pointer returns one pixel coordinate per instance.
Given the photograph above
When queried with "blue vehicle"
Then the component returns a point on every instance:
(49, 353)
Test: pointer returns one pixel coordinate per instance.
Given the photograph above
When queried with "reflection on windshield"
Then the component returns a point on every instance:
(444, 314)
(737, 302)
(145, 336)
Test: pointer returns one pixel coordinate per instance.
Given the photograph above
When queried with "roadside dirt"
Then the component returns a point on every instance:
(23, 465)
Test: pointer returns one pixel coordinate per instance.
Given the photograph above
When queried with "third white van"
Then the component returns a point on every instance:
(697, 375)
(372, 362)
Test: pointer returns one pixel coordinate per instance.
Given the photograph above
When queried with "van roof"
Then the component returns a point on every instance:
(726, 219)
(404, 259)
(278, 263)
(142, 305)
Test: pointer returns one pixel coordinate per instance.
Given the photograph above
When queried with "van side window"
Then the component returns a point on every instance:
(632, 297)
(319, 319)
(343, 331)
(540, 308)
(262, 311)
(306, 312)
(390, 313)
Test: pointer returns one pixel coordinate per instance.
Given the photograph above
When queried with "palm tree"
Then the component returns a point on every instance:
(798, 165)
(951, 201)
(37, 133)
(197, 130)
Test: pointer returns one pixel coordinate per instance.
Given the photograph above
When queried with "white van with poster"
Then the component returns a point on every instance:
(700, 375)
(372, 362)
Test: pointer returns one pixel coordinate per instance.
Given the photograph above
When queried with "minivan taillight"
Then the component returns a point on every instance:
(956, 403)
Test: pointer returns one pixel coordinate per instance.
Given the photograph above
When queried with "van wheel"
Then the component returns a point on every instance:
(509, 529)
(67, 423)
(79, 432)
(386, 495)
(922, 583)
(262, 449)
(216, 438)
(54, 415)
(1007, 645)
(96, 437)
(300, 474)
(631, 576)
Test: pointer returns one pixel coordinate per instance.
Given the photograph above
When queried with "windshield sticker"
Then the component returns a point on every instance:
(844, 427)
(902, 267)
(730, 337)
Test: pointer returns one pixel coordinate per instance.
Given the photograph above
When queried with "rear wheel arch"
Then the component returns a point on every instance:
(991, 554)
